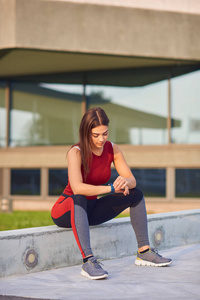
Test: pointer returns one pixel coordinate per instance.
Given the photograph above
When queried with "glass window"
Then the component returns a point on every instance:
(187, 183)
(151, 181)
(113, 176)
(25, 182)
(138, 115)
(185, 91)
(58, 179)
(2, 115)
(45, 114)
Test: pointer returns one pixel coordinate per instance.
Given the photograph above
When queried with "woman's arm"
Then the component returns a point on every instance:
(76, 180)
(125, 180)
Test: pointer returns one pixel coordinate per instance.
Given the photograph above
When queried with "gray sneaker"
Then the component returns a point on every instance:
(93, 270)
(151, 259)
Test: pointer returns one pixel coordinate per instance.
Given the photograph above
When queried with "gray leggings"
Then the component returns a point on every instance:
(78, 213)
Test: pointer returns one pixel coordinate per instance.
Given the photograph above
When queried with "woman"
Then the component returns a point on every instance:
(89, 168)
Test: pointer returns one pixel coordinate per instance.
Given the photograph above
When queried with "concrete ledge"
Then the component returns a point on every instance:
(36, 249)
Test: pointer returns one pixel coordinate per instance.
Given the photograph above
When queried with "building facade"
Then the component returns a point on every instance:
(139, 61)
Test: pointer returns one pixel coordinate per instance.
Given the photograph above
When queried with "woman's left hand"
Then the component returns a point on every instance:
(121, 185)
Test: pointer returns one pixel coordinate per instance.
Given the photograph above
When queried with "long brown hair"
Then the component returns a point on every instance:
(94, 117)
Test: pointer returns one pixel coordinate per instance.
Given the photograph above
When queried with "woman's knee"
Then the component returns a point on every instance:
(80, 200)
(137, 193)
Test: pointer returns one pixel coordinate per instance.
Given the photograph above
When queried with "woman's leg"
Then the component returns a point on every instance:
(138, 217)
(110, 206)
(71, 212)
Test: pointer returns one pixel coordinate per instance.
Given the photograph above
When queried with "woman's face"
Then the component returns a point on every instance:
(99, 136)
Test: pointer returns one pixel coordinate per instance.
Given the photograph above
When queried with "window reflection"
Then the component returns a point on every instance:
(2, 115)
(187, 183)
(150, 181)
(25, 182)
(58, 179)
(137, 116)
(186, 107)
(49, 114)
(41, 115)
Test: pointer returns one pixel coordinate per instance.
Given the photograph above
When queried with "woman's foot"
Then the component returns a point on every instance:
(151, 258)
(93, 270)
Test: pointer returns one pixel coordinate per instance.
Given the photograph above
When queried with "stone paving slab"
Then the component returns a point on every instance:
(126, 280)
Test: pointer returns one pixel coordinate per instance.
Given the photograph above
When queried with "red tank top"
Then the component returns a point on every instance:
(100, 170)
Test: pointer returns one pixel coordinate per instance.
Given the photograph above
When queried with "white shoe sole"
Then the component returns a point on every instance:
(85, 274)
(150, 264)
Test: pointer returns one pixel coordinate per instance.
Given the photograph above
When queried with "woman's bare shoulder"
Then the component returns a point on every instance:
(74, 152)
(116, 149)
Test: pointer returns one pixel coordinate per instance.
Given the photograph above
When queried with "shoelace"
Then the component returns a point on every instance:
(96, 263)
(155, 251)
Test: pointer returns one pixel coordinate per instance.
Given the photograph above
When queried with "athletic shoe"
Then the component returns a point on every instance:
(93, 270)
(151, 258)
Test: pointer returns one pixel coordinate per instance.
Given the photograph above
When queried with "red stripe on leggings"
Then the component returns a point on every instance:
(60, 208)
(74, 228)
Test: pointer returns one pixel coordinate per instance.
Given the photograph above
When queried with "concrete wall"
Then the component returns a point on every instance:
(36, 249)
(99, 29)
(161, 156)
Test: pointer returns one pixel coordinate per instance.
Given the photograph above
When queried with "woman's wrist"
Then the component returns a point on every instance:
(112, 188)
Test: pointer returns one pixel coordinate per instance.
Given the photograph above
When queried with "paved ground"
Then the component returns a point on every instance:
(181, 280)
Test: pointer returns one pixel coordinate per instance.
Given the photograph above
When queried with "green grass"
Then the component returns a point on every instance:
(123, 215)
(27, 219)
(24, 219)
